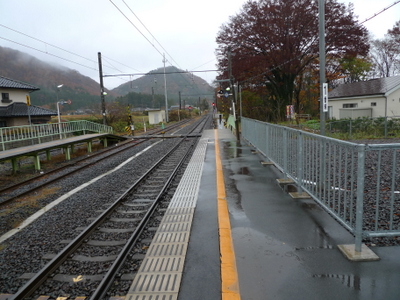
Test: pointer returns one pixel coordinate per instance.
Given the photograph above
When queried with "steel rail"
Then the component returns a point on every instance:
(34, 283)
(76, 162)
(109, 277)
(79, 161)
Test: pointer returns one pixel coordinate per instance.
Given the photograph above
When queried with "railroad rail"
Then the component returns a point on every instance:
(129, 215)
(77, 165)
(130, 212)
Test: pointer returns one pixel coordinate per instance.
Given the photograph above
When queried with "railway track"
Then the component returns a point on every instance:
(118, 229)
(96, 259)
(21, 189)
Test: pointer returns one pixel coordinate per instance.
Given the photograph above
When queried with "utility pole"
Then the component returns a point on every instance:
(198, 105)
(152, 97)
(165, 91)
(321, 10)
(102, 93)
(180, 106)
(232, 83)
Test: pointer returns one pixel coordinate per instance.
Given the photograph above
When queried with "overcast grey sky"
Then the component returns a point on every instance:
(185, 29)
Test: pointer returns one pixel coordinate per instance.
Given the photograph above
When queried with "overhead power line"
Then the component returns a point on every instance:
(152, 44)
(150, 32)
(39, 40)
(386, 8)
(71, 61)
(59, 48)
(286, 62)
(126, 17)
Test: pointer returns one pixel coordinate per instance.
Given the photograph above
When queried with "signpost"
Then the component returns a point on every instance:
(58, 113)
(325, 97)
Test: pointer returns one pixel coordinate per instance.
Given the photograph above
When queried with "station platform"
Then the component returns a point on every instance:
(276, 247)
(66, 143)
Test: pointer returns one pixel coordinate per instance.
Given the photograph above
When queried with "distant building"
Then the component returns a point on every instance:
(156, 116)
(373, 98)
(174, 107)
(14, 110)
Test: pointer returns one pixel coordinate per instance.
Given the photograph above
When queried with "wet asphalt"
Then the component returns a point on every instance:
(285, 248)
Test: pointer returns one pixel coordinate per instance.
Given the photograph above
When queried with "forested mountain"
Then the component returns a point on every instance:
(84, 92)
(191, 86)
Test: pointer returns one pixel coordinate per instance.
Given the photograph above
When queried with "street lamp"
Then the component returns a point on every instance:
(58, 110)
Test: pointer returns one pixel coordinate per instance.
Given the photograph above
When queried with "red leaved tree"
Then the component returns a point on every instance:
(273, 42)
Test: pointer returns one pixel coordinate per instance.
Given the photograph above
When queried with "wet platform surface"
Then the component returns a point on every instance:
(284, 248)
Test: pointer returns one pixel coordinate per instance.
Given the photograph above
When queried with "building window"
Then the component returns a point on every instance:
(5, 98)
(350, 105)
(373, 103)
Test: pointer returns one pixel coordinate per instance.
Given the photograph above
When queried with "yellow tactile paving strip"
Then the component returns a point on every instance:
(229, 276)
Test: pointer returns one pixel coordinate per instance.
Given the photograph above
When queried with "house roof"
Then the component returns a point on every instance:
(15, 84)
(19, 109)
(378, 86)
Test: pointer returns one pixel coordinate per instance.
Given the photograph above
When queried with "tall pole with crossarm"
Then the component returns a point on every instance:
(232, 83)
(102, 92)
(165, 92)
(321, 10)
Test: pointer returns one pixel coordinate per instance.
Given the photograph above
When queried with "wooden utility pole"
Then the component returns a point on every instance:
(102, 94)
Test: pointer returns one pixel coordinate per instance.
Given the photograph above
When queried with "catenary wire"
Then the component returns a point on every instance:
(71, 61)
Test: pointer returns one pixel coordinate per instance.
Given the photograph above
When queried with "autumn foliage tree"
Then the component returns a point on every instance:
(273, 42)
(385, 53)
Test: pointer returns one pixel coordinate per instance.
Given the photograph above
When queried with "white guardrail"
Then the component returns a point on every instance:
(54, 130)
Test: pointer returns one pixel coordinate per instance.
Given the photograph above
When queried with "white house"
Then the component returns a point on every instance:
(373, 98)
(14, 110)
(156, 116)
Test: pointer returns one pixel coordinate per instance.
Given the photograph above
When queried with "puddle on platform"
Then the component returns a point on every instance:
(235, 195)
(351, 281)
(244, 171)
(309, 205)
(232, 149)
(315, 248)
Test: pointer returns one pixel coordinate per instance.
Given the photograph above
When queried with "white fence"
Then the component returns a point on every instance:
(38, 133)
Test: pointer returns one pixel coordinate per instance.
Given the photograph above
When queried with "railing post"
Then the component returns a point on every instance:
(386, 128)
(360, 196)
(284, 146)
(2, 140)
(300, 158)
(267, 144)
(351, 127)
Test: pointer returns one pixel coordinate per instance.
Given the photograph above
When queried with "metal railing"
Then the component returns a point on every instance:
(39, 133)
(357, 184)
(379, 127)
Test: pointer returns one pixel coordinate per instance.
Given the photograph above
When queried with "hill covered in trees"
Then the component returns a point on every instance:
(190, 86)
(84, 92)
